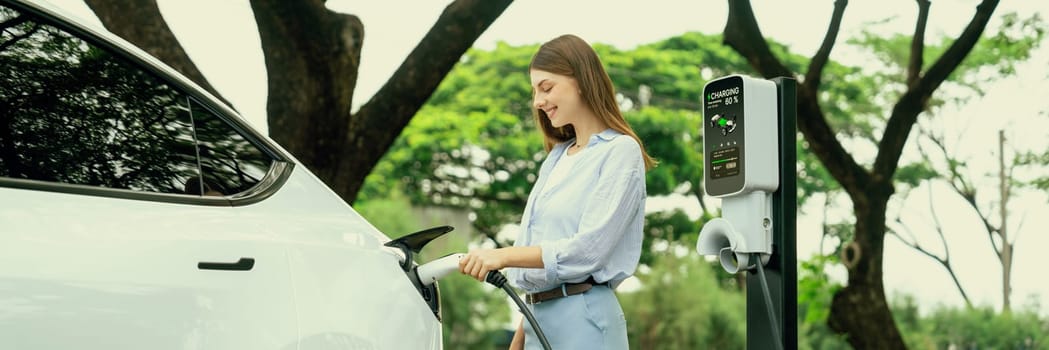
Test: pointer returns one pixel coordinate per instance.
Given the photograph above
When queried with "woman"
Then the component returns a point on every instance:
(581, 229)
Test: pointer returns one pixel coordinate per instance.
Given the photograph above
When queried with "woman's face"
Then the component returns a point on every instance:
(558, 96)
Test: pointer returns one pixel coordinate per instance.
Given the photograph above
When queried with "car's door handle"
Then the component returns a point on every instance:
(244, 264)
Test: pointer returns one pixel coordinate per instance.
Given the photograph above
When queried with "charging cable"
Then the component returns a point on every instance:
(497, 279)
(768, 303)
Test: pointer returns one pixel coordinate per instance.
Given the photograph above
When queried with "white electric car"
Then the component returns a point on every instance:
(139, 212)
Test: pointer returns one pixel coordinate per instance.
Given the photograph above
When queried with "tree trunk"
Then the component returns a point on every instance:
(860, 311)
(312, 55)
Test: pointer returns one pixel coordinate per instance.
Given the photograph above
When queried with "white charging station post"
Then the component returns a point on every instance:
(749, 136)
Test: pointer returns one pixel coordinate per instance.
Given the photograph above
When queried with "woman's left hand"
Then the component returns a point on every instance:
(479, 262)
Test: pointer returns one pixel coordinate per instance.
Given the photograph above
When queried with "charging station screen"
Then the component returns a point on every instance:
(724, 162)
(724, 126)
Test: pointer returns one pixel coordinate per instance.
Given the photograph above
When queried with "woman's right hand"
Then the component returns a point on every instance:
(478, 262)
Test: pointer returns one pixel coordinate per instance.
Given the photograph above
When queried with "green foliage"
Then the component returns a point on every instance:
(682, 306)
(914, 173)
(666, 228)
(976, 328)
(391, 215)
(484, 162)
(815, 290)
(1031, 159)
(675, 69)
(812, 177)
(488, 81)
(474, 145)
(994, 57)
(673, 137)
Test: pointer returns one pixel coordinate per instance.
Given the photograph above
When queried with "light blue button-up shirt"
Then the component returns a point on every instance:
(589, 224)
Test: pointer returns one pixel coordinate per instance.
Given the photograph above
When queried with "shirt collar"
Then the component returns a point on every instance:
(606, 135)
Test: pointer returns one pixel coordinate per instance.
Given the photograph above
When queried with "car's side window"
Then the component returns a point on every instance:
(75, 113)
(230, 164)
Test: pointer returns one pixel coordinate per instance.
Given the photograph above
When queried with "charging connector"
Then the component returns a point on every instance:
(428, 273)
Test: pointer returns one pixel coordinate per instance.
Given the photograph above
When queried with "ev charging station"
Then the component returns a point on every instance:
(749, 135)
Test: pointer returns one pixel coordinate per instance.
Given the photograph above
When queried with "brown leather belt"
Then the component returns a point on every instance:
(563, 291)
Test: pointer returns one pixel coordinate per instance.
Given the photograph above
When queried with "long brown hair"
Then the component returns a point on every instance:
(571, 56)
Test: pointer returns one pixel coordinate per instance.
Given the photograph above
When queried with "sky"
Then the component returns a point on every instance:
(220, 36)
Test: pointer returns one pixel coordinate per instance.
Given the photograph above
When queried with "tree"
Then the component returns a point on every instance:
(1002, 237)
(312, 56)
(859, 310)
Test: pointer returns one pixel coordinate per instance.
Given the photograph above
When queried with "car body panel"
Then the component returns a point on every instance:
(113, 273)
(350, 290)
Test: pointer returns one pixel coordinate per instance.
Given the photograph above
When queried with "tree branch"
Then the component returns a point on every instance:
(939, 229)
(427, 64)
(945, 262)
(956, 53)
(915, 99)
(13, 22)
(1019, 229)
(914, 67)
(140, 22)
(742, 34)
(824, 226)
(16, 38)
(958, 284)
(914, 244)
(813, 77)
(965, 190)
(947, 251)
(699, 193)
(393, 106)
